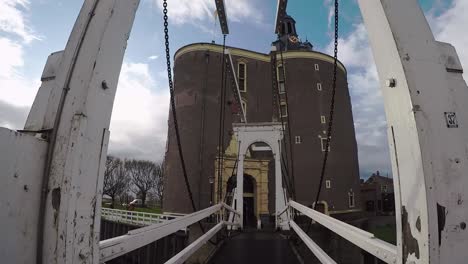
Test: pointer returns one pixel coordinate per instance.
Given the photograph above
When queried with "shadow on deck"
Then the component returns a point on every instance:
(255, 247)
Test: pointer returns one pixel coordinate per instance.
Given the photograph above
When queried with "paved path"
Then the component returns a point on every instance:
(255, 248)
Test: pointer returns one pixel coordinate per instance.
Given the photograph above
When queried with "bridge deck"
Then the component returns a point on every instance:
(256, 247)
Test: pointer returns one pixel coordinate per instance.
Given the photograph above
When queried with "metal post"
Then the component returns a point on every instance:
(240, 188)
(281, 220)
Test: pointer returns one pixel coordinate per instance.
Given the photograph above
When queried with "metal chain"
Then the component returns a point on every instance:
(332, 109)
(173, 108)
(288, 116)
(222, 107)
(277, 111)
(276, 108)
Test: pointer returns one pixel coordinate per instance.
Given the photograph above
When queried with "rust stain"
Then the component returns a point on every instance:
(418, 224)
(410, 244)
(441, 214)
(460, 200)
(56, 203)
(56, 198)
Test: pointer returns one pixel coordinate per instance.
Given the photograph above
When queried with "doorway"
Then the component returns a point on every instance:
(250, 206)
(250, 218)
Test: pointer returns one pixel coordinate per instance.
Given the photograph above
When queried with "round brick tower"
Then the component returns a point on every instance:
(307, 80)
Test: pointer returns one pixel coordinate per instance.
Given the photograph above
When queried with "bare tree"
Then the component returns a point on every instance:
(159, 185)
(115, 178)
(143, 177)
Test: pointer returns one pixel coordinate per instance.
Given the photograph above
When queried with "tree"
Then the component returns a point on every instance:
(115, 178)
(159, 186)
(142, 176)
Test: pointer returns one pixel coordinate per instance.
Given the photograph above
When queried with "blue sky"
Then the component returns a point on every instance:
(32, 29)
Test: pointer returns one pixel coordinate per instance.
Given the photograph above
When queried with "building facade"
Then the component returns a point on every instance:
(307, 80)
(377, 195)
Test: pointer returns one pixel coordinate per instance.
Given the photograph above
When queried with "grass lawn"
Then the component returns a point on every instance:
(386, 233)
(138, 209)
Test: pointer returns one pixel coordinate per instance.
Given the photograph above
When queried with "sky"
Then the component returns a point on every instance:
(32, 29)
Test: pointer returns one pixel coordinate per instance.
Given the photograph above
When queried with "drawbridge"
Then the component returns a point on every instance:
(53, 169)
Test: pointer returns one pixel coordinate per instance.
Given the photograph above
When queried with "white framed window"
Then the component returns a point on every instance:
(317, 68)
(323, 119)
(384, 188)
(284, 110)
(319, 86)
(281, 87)
(323, 141)
(298, 139)
(281, 78)
(351, 199)
(328, 184)
(242, 76)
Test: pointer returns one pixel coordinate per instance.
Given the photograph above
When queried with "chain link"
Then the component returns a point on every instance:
(173, 109)
(222, 108)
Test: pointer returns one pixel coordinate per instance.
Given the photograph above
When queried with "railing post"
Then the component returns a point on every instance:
(240, 189)
(281, 219)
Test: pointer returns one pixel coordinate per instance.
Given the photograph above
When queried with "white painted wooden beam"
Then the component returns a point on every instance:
(118, 246)
(182, 256)
(365, 240)
(318, 252)
(425, 104)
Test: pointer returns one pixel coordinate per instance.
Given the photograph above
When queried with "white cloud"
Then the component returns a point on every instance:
(331, 12)
(450, 27)
(368, 110)
(139, 119)
(13, 21)
(195, 11)
(17, 91)
(367, 100)
(153, 57)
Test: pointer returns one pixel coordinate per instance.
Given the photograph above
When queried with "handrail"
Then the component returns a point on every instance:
(182, 256)
(319, 215)
(229, 208)
(318, 252)
(137, 238)
(135, 217)
(365, 240)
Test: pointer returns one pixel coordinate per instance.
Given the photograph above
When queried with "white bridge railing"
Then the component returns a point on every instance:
(365, 240)
(134, 239)
(135, 217)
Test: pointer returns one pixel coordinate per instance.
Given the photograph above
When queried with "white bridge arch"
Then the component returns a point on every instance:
(271, 134)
